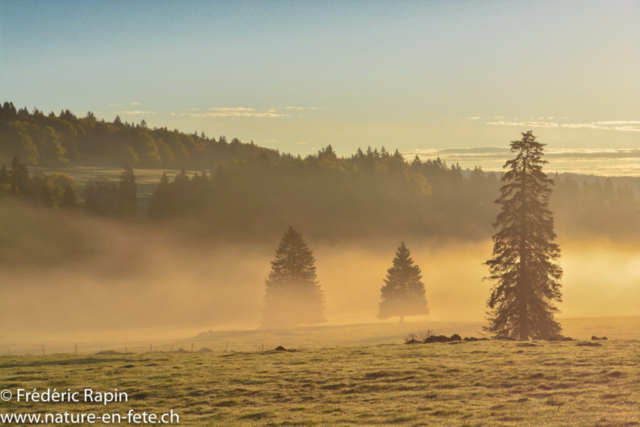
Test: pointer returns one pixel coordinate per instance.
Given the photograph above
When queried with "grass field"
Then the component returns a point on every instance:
(146, 179)
(490, 383)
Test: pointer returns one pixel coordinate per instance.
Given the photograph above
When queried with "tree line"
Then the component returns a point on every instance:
(371, 193)
(43, 139)
(374, 192)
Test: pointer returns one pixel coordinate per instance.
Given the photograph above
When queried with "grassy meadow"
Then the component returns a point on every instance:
(486, 383)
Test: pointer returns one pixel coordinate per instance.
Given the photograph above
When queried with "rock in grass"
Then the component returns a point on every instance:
(280, 348)
(455, 337)
(504, 338)
(595, 338)
(437, 338)
(588, 344)
(559, 338)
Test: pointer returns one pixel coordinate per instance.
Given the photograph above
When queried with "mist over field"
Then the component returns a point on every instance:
(64, 272)
(353, 213)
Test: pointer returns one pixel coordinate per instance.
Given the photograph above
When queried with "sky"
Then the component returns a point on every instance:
(456, 79)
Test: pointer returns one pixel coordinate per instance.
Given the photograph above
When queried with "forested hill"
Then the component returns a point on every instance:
(250, 192)
(39, 139)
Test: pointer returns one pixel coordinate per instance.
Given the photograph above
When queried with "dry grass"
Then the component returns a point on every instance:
(464, 384)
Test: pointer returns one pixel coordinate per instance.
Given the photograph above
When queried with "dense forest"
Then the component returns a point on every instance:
(255, 193)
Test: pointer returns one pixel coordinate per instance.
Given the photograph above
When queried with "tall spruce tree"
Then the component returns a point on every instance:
(523, 266)
(403, 292)
(293, 295)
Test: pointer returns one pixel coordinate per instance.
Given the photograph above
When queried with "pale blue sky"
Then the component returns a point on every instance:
(403, 74)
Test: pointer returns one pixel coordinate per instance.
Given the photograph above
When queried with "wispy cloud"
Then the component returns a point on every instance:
(474, 118)
(232, 109)
(599, 161)
(135, 103)
(480, 154)
(530, 124)
(137, 112)
(114, 105)
(301, 143)
(236, 114)
(603, 125)
(298, 108)
(628, 128)
(619, 122)
(582, 126)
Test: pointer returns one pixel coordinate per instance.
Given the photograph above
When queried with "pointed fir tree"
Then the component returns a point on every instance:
(523, 266)
(293, 295)
(403, 292)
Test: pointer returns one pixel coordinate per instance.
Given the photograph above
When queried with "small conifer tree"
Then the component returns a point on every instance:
(403, 293)
(293, 295)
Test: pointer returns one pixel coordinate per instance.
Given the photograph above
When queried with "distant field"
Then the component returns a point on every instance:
(146, 179)
(302, 337)
(489, 383)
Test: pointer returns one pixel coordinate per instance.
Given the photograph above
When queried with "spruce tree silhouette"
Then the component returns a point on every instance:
(523, 265)
(403, 293)
(293, 294)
